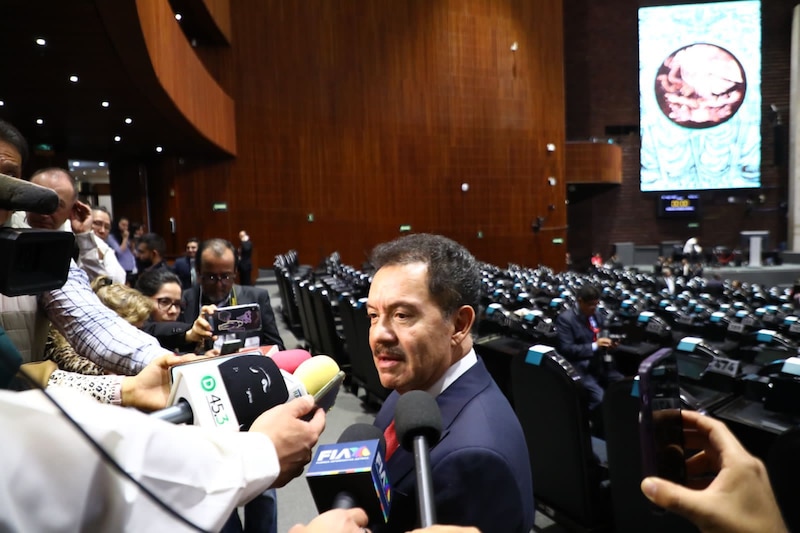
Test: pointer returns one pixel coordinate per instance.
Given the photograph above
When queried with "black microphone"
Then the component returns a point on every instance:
(352, 473)
(418, 423)
(21, 195)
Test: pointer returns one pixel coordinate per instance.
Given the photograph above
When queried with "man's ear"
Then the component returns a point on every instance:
(462, 321)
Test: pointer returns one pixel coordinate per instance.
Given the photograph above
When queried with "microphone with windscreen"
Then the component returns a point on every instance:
(21, 195)
(352, 473)
(232, 391)
(418, 423)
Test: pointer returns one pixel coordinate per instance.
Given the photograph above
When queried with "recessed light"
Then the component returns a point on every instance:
(178, 16)
(40, 121)
(41, 42)
(2, 103)
(105, 103)
(117, 138)
(73, 78)
(102, 163)
(76, 163)
(128, 120)
(159, 149)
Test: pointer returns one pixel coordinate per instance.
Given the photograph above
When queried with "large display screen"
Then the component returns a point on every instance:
(700, 96)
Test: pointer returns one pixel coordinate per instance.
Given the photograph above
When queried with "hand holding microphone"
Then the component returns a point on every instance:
(293, 437)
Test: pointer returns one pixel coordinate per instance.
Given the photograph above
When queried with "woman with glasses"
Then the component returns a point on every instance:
(163, 288)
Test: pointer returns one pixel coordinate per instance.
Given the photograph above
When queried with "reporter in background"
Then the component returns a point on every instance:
(163, 288)
(738, 500)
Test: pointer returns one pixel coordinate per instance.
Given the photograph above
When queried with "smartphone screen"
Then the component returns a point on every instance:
(236, 319)
(660, 422)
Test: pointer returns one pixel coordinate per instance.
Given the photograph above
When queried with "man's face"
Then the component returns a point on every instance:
(61, 183)
(217, 275)
(191, 250)
(10, 165)
(412, 342)
(101, 223)
(144, 256)
(587, 307)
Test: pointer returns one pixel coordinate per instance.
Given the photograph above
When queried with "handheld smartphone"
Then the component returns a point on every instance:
(231, 346)
(235, 319)
(660, 422)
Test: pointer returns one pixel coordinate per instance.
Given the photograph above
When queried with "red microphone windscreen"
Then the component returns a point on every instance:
(289, 360)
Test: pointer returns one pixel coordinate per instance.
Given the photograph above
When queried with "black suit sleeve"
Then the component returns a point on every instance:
(269, 328)
(171, 335)
(573, 342)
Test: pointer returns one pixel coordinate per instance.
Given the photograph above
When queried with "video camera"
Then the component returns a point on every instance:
(33, 260)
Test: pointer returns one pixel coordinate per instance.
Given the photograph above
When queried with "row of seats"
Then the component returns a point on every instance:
(326, 307)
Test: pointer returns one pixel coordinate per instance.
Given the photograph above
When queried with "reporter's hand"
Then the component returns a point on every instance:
(149, 389)
(335, 521)
(201, 329)
(81, 218)
(292, 437)
(738, 499)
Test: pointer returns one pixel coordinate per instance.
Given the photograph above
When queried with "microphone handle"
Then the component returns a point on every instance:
(422, 465)
(344, 500)
(180, 413)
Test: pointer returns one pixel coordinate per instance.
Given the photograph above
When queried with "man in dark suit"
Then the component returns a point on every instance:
(216, 269)
(581, 343)
(422, 307)
(185, 267)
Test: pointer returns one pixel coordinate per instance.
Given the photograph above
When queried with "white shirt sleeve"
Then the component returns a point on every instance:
(201, 473)
(91, 249)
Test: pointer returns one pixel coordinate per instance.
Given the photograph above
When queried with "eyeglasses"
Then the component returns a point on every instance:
(99, 224)
(213, 278)
(165, 304)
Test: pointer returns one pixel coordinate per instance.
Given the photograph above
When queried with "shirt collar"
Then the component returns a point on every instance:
(455, 371)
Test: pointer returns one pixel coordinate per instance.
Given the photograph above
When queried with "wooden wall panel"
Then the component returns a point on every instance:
(371, 115)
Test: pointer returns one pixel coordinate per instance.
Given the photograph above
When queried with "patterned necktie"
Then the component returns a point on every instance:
(391, 440)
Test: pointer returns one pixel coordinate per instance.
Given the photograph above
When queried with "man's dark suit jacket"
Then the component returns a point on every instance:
(244, 295)
(183, 269)
(481, 470)
(575, 337)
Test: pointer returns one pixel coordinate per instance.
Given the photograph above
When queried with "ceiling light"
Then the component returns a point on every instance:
(2, 103)
(117, 138)
(41, 42)
(159, 149)
(75, 163)
(40, 121)
(102, 163)
(178, 16)
(105, 103)
(73, 78)
(128, 120)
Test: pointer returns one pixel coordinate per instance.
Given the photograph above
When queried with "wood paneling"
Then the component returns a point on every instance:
(182, 75)
(589, 162)
(371, 115)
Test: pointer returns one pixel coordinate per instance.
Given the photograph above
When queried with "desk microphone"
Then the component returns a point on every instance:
(418, 423)
(230, 392)
(352, 473)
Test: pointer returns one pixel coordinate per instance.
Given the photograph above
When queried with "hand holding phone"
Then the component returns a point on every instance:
(660, 422)
(738, 499)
